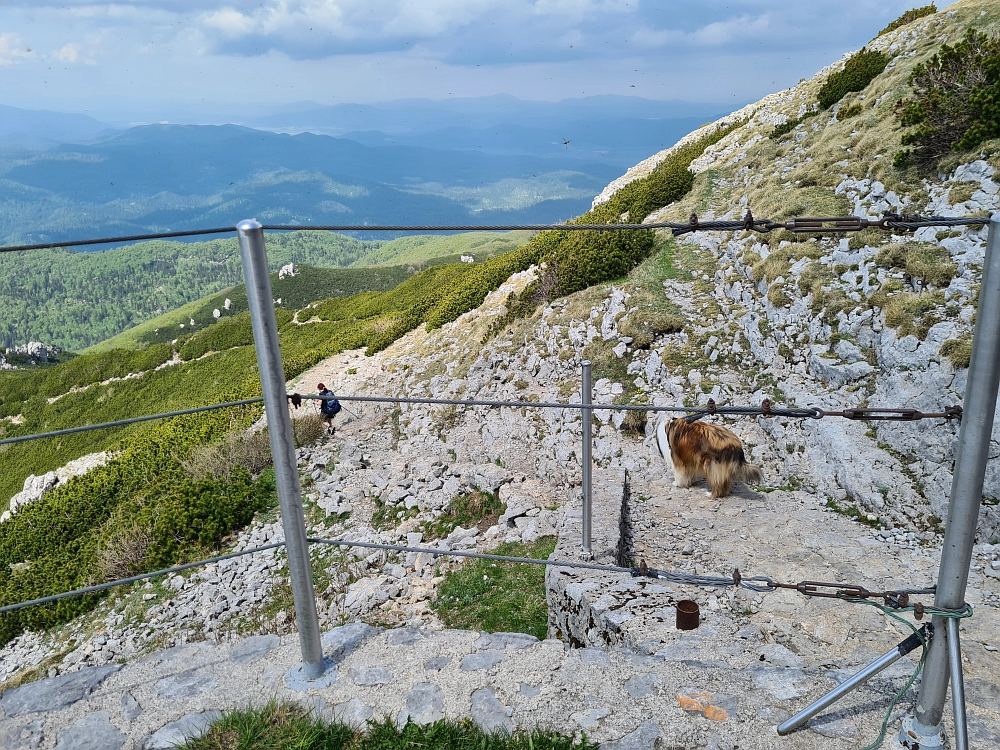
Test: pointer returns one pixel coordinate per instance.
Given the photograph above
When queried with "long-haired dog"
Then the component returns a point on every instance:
(708, 450)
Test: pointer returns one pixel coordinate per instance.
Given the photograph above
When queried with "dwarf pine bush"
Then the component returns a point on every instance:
(860, 69)
(909, 16)
(956, 101)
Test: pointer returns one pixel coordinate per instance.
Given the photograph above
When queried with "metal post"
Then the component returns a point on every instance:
(856, 681)
(586, 397)
(978, 411)
(272, 380)
(957, 686)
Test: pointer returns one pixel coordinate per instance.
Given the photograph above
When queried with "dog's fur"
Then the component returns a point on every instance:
(708, 450)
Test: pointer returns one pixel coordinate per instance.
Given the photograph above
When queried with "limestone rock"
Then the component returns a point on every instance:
(93, 732)
(190, 726)
(54, 693)
(424, 704)
(488, 712)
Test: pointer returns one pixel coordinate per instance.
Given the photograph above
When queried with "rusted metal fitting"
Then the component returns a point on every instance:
(839, 590)
(688, 615)
(711, 406)
(765, 407)
(953, 412)
(918, 611)
(748, 221)
(896, 600)
(693, 222)
(737, 576)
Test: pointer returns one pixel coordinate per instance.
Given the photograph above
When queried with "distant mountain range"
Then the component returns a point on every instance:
(620, 130)
(485, 160)
(39, 129)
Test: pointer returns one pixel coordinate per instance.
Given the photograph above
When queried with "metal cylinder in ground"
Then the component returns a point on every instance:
(975, 436)
(688, 614)
(586, 397)
(279, 423)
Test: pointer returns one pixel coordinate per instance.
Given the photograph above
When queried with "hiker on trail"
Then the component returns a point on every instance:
(329, 408)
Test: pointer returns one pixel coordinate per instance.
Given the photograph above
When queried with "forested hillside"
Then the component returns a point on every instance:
(76, 299)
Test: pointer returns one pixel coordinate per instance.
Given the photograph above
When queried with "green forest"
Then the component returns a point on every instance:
(76, 299)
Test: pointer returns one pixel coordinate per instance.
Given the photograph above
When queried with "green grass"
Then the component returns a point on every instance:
(421, 248)
(290, 727)
(481, 509)
(498, 597)
(852, 512)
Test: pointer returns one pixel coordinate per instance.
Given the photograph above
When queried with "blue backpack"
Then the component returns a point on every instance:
(331, 407)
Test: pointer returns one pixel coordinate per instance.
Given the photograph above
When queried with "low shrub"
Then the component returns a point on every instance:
(860, 69)
(777, 296)
(249, 451)
(789, 125)
(123, 554)
(908, 17)
(956, 101)
(307, 429)
(634, 423)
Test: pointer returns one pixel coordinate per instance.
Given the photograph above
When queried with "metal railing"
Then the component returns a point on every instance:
(943, 658)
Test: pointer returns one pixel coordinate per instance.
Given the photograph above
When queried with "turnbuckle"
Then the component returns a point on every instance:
(893, 415)
(830, 223)
(812, 588)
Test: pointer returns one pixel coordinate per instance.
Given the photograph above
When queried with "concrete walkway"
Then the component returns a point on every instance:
(622, 698)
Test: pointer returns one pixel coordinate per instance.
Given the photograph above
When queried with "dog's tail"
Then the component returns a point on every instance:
(748, 474)
(662, 444)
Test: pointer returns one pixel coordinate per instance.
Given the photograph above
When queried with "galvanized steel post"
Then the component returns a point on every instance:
(272, 380)
(586, 397)
(978, 411)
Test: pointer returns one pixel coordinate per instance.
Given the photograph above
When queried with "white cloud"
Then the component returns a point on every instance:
(13, 50)
(70, 53)
(230, 22)
(723, 32)
(714, 34)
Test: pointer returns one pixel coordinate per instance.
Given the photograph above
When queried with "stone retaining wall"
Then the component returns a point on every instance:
(582, 611)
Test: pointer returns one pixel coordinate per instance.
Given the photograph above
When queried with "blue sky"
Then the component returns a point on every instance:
(160, 59)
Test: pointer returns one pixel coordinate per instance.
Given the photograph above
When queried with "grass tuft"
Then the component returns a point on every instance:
(291, 727)
(498, 597)
(478, 508)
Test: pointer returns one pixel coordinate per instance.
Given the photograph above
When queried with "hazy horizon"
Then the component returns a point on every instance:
(181, 60)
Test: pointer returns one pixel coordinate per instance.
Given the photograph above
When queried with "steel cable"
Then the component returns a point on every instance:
(134, 579)
(826, 225)
(693, 412)
(132, 420)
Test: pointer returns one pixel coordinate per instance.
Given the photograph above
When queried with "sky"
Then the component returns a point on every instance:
(185, 59)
